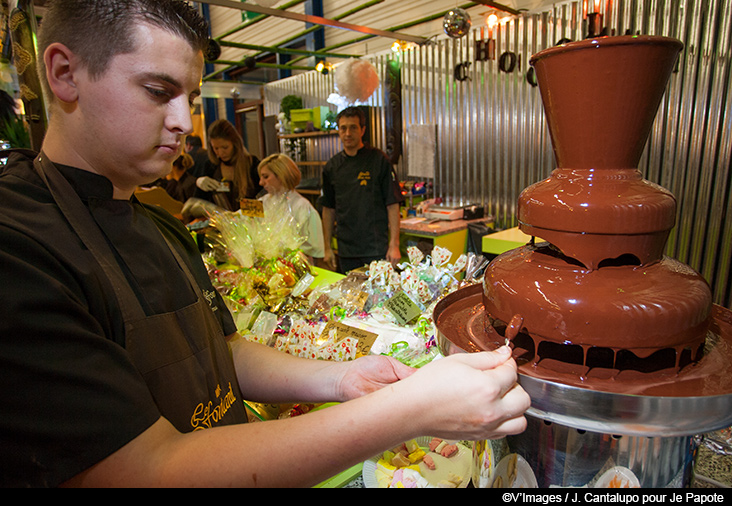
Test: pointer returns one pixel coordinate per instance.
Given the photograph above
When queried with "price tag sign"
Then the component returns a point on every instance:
(403, 308)
(365, 338)
(251, 207)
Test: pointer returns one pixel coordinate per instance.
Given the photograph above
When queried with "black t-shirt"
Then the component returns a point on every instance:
(70, 393)
(359, 188)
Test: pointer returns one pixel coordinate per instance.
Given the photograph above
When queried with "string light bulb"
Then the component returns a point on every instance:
(323, 67)
(491, 20)
(401, 45)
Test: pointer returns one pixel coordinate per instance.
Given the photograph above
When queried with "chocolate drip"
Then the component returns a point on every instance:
(465, 326)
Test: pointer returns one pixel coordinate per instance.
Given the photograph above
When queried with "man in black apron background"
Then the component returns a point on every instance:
(121, 364)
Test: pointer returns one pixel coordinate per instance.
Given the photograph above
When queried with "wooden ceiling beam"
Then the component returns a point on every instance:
(316, 20)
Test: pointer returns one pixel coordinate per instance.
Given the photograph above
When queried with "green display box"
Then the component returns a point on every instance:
(301, 117)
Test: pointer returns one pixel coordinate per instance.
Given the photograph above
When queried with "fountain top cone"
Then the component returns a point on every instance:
(601, 96)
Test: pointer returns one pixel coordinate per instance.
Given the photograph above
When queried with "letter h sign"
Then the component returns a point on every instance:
(485, 50)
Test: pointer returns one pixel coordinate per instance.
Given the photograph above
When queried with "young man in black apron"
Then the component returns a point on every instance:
(114, 347)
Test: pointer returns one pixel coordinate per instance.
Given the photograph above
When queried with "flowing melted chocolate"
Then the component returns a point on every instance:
(618, 316)
(462, 320)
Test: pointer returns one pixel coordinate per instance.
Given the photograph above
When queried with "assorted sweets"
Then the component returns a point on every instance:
(435, 463)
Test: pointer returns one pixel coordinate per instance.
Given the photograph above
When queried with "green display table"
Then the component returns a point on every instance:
(324, 277)
(343, 478)
(505, 240)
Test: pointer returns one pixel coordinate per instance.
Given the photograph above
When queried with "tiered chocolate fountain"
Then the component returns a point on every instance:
(623, 353)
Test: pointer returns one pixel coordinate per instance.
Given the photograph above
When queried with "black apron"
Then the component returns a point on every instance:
(182, 355)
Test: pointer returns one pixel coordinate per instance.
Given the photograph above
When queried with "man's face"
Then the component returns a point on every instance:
(351, 132)
(133, 118)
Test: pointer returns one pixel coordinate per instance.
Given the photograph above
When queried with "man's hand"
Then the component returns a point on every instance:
(328, 225)
(393, 255)
(370, 373)
(329, 259)
(477, 394)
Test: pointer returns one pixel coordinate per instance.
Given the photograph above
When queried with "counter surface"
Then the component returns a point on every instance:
(435, 228)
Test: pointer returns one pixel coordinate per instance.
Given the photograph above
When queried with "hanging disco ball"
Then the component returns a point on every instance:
(456, 23)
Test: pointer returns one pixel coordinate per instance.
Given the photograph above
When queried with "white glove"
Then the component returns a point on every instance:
(207, 184)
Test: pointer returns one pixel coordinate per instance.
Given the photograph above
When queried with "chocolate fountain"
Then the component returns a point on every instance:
(624, 354)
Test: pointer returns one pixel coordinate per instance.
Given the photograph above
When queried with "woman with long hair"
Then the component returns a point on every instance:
(232, 173)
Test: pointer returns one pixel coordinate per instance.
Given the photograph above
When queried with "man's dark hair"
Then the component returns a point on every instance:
(98, 30)
(352, 112)
(194, 141)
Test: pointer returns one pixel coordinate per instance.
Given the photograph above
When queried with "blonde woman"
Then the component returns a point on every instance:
(279, 176)
(232, 172)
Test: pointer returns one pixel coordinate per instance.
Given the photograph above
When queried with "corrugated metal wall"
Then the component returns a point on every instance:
(491, 136)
